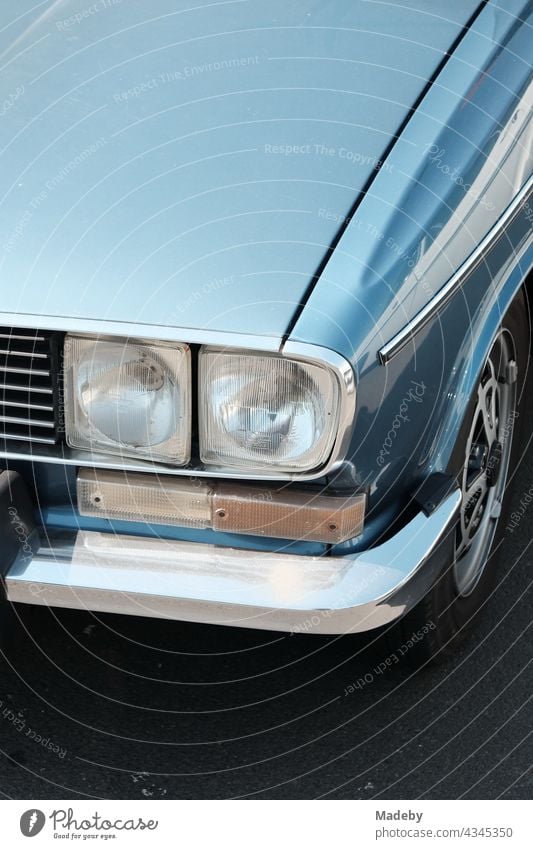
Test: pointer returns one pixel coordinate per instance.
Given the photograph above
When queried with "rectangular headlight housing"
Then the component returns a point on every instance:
(265, 411)
(129, 397)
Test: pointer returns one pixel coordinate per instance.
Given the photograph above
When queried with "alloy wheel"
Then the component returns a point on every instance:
(487, 455)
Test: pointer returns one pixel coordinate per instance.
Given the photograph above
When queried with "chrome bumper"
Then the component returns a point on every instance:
(142, 576)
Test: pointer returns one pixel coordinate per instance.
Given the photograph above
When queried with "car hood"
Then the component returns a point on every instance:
(190, 165)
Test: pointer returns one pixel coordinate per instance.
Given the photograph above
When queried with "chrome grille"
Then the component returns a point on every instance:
(28, 386)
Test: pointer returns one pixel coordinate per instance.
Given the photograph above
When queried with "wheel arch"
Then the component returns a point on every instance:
(442, 453)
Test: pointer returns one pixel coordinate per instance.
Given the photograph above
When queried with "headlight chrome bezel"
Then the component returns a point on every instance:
(306, 353)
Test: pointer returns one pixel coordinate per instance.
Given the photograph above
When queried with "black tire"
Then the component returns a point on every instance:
(444, 617)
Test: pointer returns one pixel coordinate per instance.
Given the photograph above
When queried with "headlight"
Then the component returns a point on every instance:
(266, 411)
(128, 397)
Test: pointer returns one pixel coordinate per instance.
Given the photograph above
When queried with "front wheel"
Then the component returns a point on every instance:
(484, 461)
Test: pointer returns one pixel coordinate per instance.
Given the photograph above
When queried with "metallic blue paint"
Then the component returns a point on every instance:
(461, 160)
(458, 163)
(174, 163)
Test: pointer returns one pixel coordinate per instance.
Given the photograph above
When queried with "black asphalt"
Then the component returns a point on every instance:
(112, 707)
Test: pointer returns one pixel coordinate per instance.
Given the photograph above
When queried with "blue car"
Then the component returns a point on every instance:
(264, 282)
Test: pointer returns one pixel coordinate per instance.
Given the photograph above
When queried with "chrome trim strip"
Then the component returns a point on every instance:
(441, 298)
(207, 583)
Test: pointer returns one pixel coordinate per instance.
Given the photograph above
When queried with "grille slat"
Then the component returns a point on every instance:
(15, 387)
(19, 353)
(28, 386)
(26, 405)
(23, 337)
(29, 421)
(23, 437)
(14, 367)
